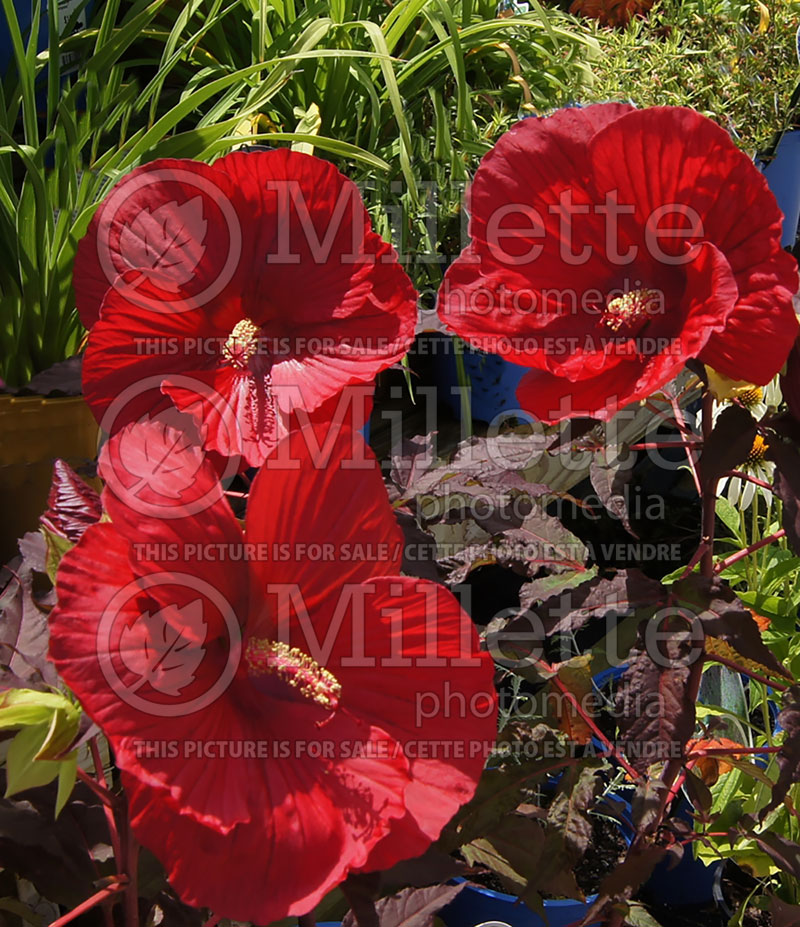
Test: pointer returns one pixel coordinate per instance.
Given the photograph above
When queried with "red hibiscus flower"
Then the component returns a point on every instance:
(284, 706)
(240, 292)
(609, 245)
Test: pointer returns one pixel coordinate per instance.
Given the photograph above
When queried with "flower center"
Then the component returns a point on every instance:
(297, 669)
(242, 344)
(751, 396)
(757, 451)
(630, 308)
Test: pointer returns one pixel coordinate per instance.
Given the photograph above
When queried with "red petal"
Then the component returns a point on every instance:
(317, 821)
(312, 544)
(676, 156)
(436, 698)
(316, 259)
(236, 410)
(173, 222)
(133, 347)
(103, 660)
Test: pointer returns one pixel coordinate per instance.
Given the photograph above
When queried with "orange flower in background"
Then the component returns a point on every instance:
(711, 768)
(610, 12)
(761, 620)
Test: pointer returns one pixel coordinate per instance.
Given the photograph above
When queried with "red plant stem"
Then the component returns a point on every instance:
(777, 686)
(687, 432)
(698, 554)
(111, 818)
(237, 495)
(708, 495)
(750, 479)
(106, 797)
(750, 549)
(570, 696)
(98, 898)
(653, 445)
(731, 751)
(98, 763)
(659, 413)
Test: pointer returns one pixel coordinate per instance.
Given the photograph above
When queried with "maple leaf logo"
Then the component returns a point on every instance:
(166, 245)
(165, 648)
(167, 462)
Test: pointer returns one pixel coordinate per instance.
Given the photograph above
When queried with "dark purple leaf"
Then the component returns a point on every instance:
(787, 488)
(412, 459)
(52, 853)
(553, 584)
(432, 867)
(412, 907)
(541, 543)
(24, 633)
(72, 505)
(62, 379)
(636, 868)
(790, 381)
(655, 712)
(728, 444)
(484, 468)
(33, 549)
(500, 789)
(783, 914)
(578, 434)
(724, 617)
(699, 793)
(784, 852)
(788, 759)
(419, 549)
(624, 593)
(610, 477)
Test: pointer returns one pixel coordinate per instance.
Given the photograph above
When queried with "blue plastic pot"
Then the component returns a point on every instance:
(476, 906)
(783, 176)
(691, 882)
(493, 382)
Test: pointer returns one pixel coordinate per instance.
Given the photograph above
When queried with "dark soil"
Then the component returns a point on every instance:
(605, 851)
(607, 848)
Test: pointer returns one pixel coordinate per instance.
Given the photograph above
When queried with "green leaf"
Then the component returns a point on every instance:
(728, 515)
(57, 546)
(23, 770)
(67, 775)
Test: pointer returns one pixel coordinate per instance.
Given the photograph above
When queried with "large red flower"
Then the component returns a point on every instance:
(241, 291)
(284, 706)
(608, 246)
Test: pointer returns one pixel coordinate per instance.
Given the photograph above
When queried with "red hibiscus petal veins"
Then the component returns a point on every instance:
(174, 224)
(320, 546)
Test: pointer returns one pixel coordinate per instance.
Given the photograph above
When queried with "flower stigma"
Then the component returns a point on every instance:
(630, 308)
(242, 344)
(297, 669)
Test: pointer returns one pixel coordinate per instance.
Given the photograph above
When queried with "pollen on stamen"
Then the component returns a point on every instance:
(242, 344)
(297, 669)
(751, 397)
(629, 308)
(757, 452)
